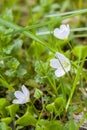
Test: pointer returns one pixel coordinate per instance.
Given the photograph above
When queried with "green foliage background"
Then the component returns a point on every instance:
(26, 46)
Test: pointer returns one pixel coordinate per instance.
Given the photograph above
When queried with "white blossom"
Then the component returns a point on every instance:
(21, 96)
(61, 64)
(62, 32)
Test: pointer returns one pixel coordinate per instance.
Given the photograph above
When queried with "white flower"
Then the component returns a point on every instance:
(21, 97)
(61, 64)
(62, 32)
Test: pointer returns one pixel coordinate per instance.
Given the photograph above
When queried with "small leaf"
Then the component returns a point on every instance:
(41, 69)
(26, 119)
(32, 83)
(33, 50)
(13, 47)
(7, 50)
(4, 82)
(13, 63)
(59, 103)
(8, 15)
(21, 72)
(42, 125)
(18, 44)
(12, 109)
(50, 107)
(6, 120)
(9, 73)
(54, 125)
(38, 93)
(49, 125)
(80, 51)
(3, 103)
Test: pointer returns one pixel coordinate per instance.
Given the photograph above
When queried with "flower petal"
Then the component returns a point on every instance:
(56, 32)
(68, 27)
(59, 72)
(25, 91)
(62, 32)
(67, 30)
(63, 35)
(18, 101)
(19, 94)
(54, 63)
(62, 58)
(62, 27)
(15, 101)
(64, 62)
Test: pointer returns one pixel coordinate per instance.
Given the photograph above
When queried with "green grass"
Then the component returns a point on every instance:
(27, 45)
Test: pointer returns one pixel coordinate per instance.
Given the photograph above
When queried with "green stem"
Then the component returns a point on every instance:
(53, 86)
(70, 45)
(38, 25)
(63, 88)
(79, 35)
(28, 34)
(75, 82)
(40, 115)
(79, 29)
(4, 83)
(72, 30)
(71, 13)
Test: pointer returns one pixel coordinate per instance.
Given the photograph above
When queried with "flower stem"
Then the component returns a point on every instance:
(75, 82)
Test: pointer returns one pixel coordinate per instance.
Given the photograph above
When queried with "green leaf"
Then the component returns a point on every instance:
(42, 125)
(50, 107)
(13, 47)
(8, 15)
(19, 127)
(7, 50)
(3, 126)
(4, 82)
(9, 73)
(6, 120)
(33, 50)
(70, 125)
(13, 63)
(40, 67)
(3, 104)
(49, 125)
(32, 83)
(17, 44)
(80, 51)
(21, 71)
(59, 102)
(9, 128)
(12, 109)
(26, 119)
(54, 125)
(38, 93)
